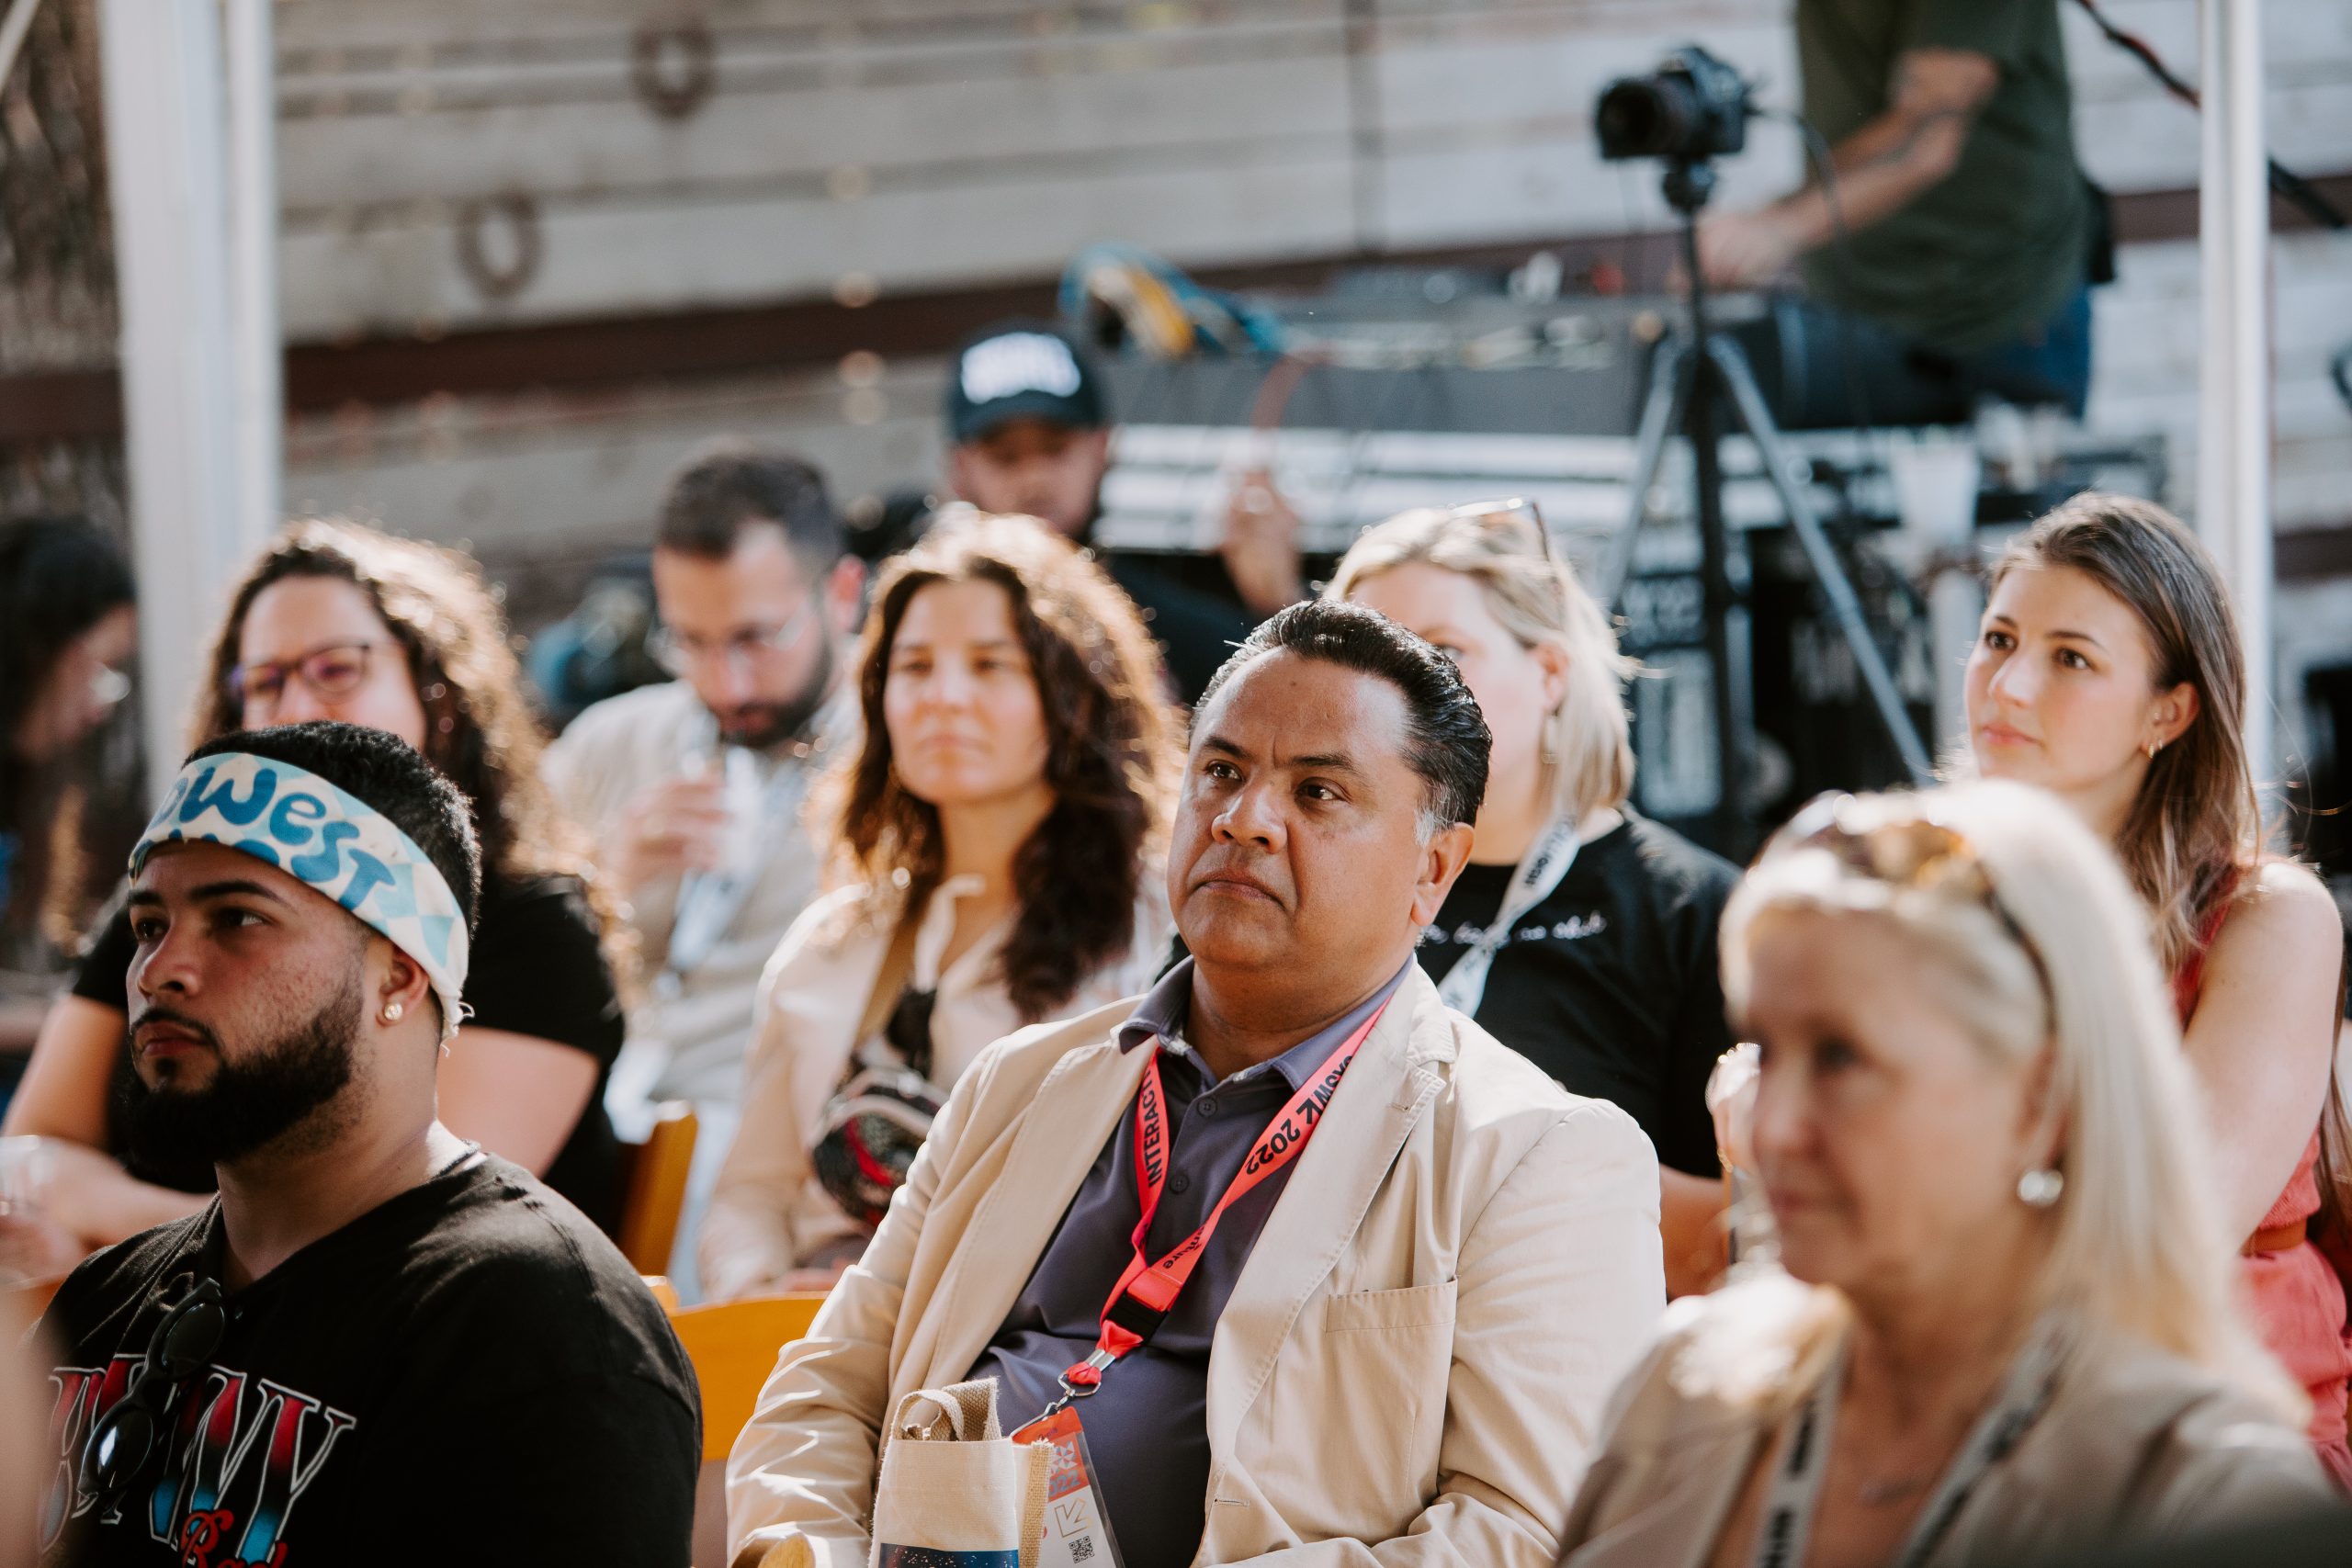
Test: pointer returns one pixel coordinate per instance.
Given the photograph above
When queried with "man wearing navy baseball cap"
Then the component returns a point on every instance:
(1029, 430)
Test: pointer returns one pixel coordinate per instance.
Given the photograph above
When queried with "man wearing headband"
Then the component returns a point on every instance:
(379, 1344)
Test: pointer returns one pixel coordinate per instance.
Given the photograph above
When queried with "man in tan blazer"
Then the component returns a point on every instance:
(1395, 1344)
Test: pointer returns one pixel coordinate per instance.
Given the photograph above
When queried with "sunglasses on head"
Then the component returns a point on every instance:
(130, 1437)
(1512, 510)
(1908, 851)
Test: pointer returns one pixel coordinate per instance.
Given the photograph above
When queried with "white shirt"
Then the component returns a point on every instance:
(609, 756)
(769, 1210)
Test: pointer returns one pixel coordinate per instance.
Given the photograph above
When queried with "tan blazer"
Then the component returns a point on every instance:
(2135, 1442)
(1463, 1262)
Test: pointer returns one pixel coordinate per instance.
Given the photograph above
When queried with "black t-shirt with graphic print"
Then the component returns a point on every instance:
(1610, 985)
(467, 1373)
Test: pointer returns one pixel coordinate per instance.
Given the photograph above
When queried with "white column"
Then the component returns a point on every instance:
(253, 257)
(195, 518)
(2234, 430)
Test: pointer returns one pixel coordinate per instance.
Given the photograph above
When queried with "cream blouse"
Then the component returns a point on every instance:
(769, 1212)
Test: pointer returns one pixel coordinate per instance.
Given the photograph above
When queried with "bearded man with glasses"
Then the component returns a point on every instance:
(692, 789)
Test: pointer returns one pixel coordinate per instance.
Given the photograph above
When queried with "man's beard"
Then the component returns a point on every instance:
(760, 727)
(251, 1101)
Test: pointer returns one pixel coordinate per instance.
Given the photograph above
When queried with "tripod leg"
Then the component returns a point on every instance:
(1729, 631)
(1731, 365)
(1661, 412)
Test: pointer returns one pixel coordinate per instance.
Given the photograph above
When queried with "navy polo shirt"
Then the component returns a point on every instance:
(1147, 1426)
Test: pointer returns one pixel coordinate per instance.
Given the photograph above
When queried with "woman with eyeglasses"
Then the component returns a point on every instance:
(2002, 1321)
(999, 831)
(1581, 934)
(66, 626)
(2109, 671)
(337, 621)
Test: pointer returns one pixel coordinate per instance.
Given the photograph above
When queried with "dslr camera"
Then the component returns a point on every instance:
(1692, 107)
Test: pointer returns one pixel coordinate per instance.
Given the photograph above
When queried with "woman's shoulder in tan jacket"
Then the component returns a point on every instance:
(2135, 1441)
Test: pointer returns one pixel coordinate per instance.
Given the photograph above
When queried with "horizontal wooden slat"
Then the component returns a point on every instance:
(603, 258)
(987, 139)
(1275, 89)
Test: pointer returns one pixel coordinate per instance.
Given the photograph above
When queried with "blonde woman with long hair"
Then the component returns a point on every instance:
(2109, 671)
(2002, 1319)
(1581, 934)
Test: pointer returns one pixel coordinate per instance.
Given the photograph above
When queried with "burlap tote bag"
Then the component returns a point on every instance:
(954, 1491)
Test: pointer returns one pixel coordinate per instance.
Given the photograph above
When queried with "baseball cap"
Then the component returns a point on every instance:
(1023, 370)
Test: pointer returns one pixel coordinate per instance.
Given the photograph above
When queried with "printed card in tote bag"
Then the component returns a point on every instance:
(954, 1491)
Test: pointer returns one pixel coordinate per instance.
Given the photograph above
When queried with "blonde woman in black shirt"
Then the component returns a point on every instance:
(1581, 934)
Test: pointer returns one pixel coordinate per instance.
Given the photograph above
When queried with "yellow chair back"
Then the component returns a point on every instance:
(653, 1187)
(733, 1346)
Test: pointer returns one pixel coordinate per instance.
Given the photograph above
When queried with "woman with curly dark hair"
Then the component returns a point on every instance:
(998, 833)
(339, 621)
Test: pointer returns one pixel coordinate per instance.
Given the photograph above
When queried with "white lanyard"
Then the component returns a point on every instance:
(1464, 985)
(709, 901)
(1783, 1534)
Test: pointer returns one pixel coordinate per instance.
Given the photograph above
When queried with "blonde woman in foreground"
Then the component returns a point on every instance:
(2005, 1323)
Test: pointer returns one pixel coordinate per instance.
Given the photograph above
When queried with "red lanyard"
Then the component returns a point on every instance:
(1145, 1291)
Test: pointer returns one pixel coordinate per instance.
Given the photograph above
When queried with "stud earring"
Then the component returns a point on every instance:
(2040, 1189)
(2152, 747)
(393, 1011)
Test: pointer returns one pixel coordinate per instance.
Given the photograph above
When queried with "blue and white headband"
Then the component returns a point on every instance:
(313, 831)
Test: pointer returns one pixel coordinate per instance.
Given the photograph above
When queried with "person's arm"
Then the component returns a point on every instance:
(804, 1467)
(1260, 546)
(1690, 1224)
(1881, 169)
(516, 1095)
(676, 823)
(1691, 1215)
(20, 1020)
(1559, 1293)
(63, 1096)
(2262, 1041)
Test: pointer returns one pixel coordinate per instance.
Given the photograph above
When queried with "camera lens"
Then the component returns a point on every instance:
(1644, 116)
(1691, 108)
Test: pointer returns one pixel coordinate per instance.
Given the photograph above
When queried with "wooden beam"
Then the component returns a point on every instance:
(390, 371)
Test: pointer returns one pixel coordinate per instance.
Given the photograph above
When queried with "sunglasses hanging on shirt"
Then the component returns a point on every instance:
(130, 1439)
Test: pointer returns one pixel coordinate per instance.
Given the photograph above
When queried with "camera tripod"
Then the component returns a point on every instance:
(1698, 375)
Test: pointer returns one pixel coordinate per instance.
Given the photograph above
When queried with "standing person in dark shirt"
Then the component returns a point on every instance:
(1029, 433)
(1973, 229)
(379, 1344)
(341, 622)
(1580, 933)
